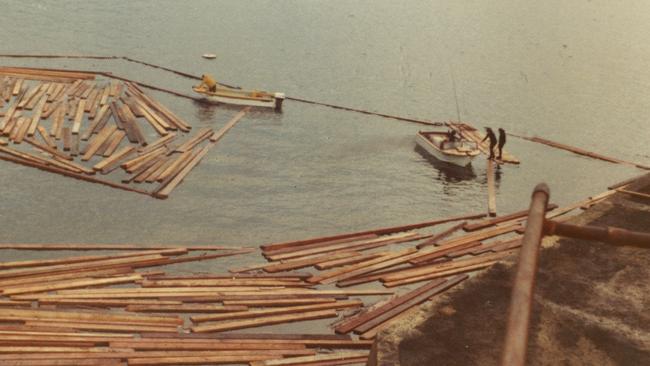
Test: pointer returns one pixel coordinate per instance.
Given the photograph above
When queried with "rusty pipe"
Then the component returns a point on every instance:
(605, 234)
(516, 341)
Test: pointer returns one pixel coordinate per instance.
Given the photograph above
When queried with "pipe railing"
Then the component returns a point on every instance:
(516, 341)
(514, 352)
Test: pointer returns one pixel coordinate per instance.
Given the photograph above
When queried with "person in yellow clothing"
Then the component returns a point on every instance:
(209, 82)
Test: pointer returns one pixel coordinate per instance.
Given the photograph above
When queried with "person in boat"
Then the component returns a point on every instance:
(489, 134)
(451, 136)
(502, 141)
(208, 82)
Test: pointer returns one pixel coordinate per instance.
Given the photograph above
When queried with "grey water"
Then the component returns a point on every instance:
(576, 72)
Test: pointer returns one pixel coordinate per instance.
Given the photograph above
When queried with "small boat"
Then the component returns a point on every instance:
(242, 97)
(209, 56)
(458, 152)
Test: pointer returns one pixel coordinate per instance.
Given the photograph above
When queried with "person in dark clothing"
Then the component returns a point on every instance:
(493, 140)
(451, 135)
(502, 141)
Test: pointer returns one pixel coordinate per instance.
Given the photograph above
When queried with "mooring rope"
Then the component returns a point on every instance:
(195, 77)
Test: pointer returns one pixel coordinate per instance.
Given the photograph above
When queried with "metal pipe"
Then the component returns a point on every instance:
(606, 234)
(514, 351)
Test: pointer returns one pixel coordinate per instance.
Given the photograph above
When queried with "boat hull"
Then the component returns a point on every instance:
(429, 147)
(241, 97)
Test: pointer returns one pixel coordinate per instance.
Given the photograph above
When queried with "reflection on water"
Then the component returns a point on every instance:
(447, 172)
(205, 111)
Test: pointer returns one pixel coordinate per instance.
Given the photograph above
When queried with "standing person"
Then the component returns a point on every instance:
(502, 141)
(493, 140)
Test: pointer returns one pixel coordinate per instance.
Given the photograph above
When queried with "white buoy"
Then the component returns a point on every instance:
(209, 56)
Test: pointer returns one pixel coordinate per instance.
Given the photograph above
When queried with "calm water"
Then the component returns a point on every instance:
(577, 73)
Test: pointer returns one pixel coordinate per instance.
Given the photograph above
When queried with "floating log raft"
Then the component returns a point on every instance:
(105, 120)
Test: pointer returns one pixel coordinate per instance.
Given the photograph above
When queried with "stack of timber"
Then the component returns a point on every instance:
(400, 256)
(471, 133)
(109, 310)
(73, 124)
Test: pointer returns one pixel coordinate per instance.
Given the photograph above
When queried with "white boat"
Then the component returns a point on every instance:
(242, 97)
(459, 152)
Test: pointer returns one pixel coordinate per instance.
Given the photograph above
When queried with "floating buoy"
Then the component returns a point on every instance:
(209, 56)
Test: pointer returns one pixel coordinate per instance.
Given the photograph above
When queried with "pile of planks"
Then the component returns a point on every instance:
(78, 126)
(106, 310)
(441, 260)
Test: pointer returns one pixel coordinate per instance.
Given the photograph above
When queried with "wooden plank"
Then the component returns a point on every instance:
(442, 251)
(31, 103)
(131, 327)
(277, 311)
(36, 116)
(397, 305)
(307, 262)
(381, 231)
(360, 245)
(318, 360)
(71, 267)
(482, 235)
(115, 159)
(70, 284)
(67, 74)
(67, 139)
(95, 144)
(24, 126)
(160, 142)
(74, 147)
(175, 166)
(10, 113)
(113, 143)
(217, 136)
(497, 220)
(94, 316)
(133, 125)
(201, 135)
(94, 246)
(168, 161)
(47, 149)
(138, 170)
(353, 259)
(64, 276)
(17, 87)
(134, 162)
(144, 175)
(51, 108)
(439, 267)
(437, 237)
(185, 308)
(168, 185)
(362, 268)
(633, 193)
(67, 173)
(278, 302)
(104, 113)
(252, 323)
(179, 123)
(583, 152)
(57, 124)
(78, 117)
(492, 201)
